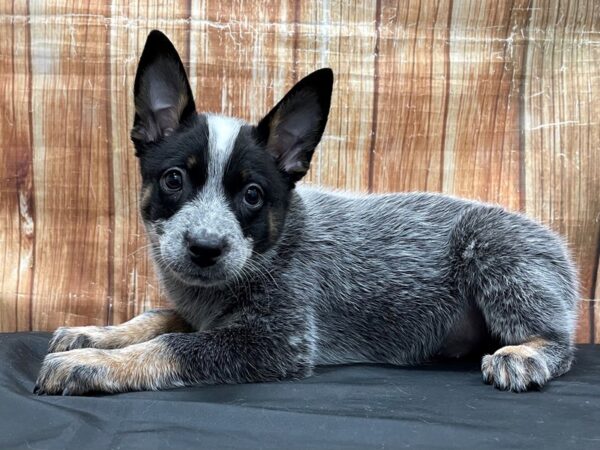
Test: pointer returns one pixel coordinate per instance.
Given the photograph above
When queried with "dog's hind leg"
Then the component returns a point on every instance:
(519, 275)
(141, 328)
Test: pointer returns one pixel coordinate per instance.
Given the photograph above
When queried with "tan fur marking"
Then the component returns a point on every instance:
(523, 351)
(141, 365)
(181, 104)
(146, 366)
(143, 328)
(537, 343)
(526, 350)
(245, 175)
(145, 197)
(516, 367)
(272, 226)
(191, 162)
(139, 329)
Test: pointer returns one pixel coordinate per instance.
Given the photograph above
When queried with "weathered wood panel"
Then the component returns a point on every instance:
(562, 132)
(412, 96)
(71, 163)
(16, 182)
(241, 58)
(341, 35)
(491, 100)
(481, 148)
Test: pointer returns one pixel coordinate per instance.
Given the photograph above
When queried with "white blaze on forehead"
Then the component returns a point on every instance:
(222, 133)
(209, 212)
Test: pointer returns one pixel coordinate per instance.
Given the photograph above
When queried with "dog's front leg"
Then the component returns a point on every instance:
(228, 355)
(141, 328)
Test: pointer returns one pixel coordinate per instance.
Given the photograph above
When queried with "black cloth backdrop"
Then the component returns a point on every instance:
(363, 406)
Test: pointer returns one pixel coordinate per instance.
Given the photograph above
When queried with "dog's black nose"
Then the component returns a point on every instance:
(205, 250)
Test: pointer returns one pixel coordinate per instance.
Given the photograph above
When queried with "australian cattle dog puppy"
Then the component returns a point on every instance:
(268, 279)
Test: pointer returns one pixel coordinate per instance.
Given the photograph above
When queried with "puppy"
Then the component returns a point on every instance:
(268, 279)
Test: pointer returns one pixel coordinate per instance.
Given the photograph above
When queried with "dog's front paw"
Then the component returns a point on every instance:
(515, 368)
(71, 338)
(75, 372)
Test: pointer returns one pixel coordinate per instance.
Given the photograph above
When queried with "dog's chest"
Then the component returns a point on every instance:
(203, 312)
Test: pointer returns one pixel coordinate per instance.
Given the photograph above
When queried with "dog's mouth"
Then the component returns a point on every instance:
(196, 277)
(192, 275)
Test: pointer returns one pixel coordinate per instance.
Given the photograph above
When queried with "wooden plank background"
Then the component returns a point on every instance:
(498, 101)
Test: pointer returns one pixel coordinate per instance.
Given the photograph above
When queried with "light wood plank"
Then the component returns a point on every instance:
(412, 96)
(482, 148)
(562, 131)
(17, 227)
(341, 35)
(71, 163)
(241, 61)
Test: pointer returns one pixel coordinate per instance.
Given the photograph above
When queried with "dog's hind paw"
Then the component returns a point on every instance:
(515, 368)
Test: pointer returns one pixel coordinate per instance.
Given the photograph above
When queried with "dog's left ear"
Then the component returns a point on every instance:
(163, 97)
(295, 125)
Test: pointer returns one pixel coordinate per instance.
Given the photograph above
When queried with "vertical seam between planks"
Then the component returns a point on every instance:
(17, 182)
(375, 95)
(111, 188)
(593, 290)
(188, 62)
(295, 42)
(522, 131)
(447, 99)
(33, 212)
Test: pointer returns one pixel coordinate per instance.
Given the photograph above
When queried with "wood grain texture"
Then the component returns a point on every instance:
(497, 101)
(562, 132)
(69, 94)
(341, 35)
(594, 305)
(481, 149)
(412, 96)
(16, 183)
(241, 59)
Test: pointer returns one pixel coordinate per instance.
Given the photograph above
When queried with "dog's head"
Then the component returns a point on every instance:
(215, 189)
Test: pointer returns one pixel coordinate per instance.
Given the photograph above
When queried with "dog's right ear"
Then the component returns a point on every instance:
(163, 97)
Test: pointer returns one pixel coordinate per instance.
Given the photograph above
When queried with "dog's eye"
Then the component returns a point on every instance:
(172, 180)
(253, 196)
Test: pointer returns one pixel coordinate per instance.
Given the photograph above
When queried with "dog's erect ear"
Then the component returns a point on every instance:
(294, 127)
(163, 97)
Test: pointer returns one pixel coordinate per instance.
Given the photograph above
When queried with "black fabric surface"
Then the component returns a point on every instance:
(435, 406)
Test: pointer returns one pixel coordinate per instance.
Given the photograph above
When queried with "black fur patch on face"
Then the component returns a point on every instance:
(186, 149)
(251, 163)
